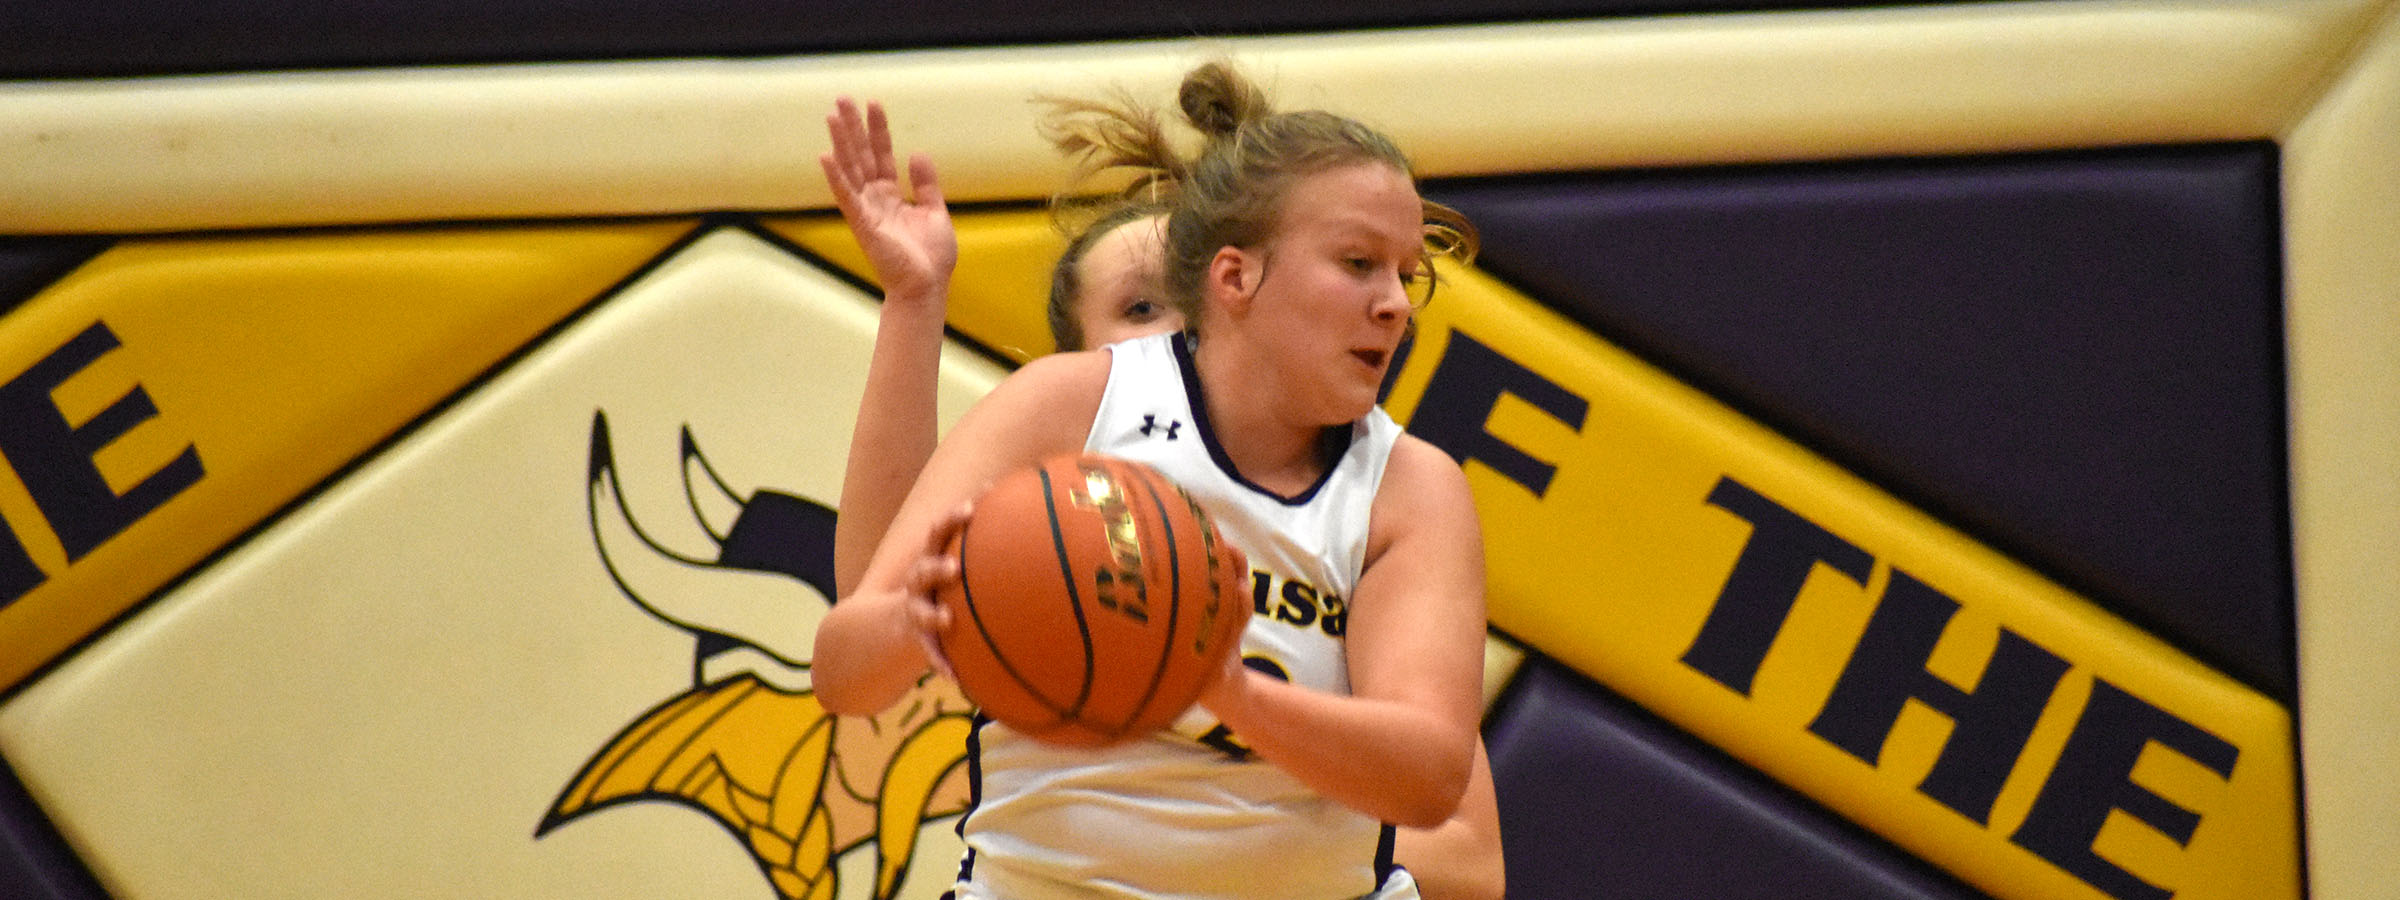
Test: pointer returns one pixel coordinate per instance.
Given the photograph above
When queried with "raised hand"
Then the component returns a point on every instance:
(906, 233)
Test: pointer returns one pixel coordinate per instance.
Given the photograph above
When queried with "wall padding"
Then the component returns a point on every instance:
(695, 135)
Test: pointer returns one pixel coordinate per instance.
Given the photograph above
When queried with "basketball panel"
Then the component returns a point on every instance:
(1014, 611)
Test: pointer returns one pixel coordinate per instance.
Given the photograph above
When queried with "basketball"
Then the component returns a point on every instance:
(1094, 601)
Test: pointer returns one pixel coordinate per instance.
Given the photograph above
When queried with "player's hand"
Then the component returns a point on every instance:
(934, 571)
(1229, 689)
(906, 234)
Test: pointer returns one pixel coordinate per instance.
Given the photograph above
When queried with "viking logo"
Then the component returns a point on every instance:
(747, 743)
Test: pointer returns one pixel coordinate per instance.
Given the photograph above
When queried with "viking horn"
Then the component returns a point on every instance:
(775, 613)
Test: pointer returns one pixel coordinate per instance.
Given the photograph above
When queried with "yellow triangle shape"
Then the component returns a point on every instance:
(171, 394)
(1004, 261)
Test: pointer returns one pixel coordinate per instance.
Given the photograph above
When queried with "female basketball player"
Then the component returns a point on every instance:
(1105, 288)
(1316, 228)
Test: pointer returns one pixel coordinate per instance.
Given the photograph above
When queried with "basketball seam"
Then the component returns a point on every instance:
(1166, 648)
(1066, 569)
(966, 591)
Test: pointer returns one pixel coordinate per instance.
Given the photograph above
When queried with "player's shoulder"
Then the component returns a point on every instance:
(1047, 404)
(1423, 502)
(1421, 464)
(1420, 479)
(1060, 375)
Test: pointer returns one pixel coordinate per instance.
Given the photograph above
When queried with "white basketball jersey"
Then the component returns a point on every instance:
(1191, 813)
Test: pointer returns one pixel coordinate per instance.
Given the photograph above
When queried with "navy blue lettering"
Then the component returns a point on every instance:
(1990, 724)
(54, 457)
(2094, 778)
(1467, 383)
(1750, 610)
(1299, 605)
(18, 575)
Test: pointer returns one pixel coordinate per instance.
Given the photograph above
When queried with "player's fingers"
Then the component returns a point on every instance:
(930, 614)
(836, 177)
(845, 139)
(936, 658)
(845, 193)
(879, 141)
(947, 528)
(860, 142)
(932, 573)
(930, 620)
(921, 179)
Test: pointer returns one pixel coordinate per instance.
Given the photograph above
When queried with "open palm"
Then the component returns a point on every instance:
(906, 234)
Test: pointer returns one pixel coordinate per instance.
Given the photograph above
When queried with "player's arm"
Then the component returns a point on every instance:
(1399, 748)
(1459, 859)
(871, 646)
(894, 435)
(910, 242)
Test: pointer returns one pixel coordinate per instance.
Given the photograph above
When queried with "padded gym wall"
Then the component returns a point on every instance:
(498, 337)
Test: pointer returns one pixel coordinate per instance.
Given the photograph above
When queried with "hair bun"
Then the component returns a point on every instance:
(1217, 100)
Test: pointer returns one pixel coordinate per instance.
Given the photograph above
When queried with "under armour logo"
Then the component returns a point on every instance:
(1150, 424)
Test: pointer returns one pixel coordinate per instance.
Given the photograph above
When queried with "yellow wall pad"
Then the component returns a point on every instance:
(1846, 644)
(490, 629)
(1619, 506)
(1004, 263)
(2342, 228)
(170, 394)
(1625, 512)
(679, 136)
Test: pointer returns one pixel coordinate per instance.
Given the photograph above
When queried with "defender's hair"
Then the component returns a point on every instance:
(1116, 138)
(1066, 277)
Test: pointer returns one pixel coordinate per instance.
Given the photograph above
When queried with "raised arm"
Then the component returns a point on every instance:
(1400, 747)
(871, 646)
(912, 246)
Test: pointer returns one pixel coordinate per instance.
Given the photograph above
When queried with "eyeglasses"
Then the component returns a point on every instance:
(1420, 289)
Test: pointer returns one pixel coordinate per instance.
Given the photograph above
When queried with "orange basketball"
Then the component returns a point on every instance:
(1094, 601)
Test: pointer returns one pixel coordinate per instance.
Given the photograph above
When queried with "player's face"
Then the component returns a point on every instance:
(1339, 273)
(1122, 292)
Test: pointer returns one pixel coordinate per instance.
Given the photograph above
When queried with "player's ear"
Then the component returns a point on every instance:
(1233, 278)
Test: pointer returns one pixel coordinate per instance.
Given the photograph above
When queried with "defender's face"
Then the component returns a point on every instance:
(1123, 292)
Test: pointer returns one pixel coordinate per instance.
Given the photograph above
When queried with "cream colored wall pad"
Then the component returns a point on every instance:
(384, 694)
(690, 135)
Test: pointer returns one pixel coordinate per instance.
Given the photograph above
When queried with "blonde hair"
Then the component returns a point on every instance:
(1113, 138)
(1233, 193)
(1230, 192)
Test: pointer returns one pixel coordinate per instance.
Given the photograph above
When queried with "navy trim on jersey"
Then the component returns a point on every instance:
(966, 861)
(1334, 445)
(1384, 865)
